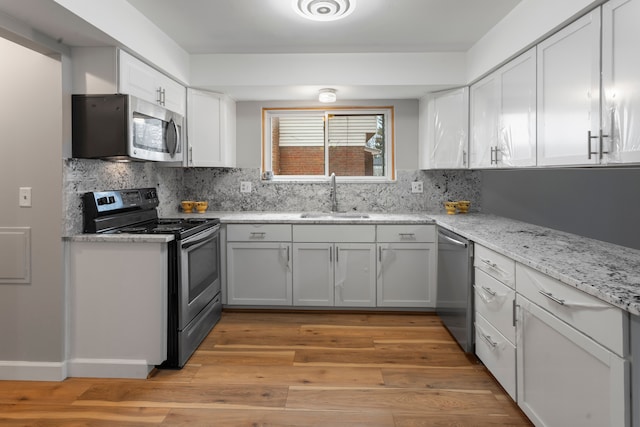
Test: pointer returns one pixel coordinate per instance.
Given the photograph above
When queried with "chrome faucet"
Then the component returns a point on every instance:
(334, 197)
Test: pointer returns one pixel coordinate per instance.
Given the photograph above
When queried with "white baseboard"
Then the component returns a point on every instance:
(32, 371)
(108, 368)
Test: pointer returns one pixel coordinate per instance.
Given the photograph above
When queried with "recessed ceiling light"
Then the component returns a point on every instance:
(324, 10)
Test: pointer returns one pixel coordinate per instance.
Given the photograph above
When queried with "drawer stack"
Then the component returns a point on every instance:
(495, 331)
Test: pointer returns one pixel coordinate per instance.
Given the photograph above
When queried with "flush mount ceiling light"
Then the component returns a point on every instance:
(327, 95)
(324, 10)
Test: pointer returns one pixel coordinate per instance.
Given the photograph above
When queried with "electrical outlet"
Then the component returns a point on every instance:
(245, 187)
(25, 197)
(416, 187)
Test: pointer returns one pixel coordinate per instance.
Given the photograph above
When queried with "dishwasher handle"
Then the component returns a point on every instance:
(453, 241)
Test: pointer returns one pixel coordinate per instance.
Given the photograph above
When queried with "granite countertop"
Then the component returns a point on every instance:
(121, 238)
(607, 271)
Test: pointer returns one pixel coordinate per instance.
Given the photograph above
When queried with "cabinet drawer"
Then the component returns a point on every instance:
(407, 233)
(497, 354)
(494, 301)
(496, 265)
(334, 233)
(606, 324)
(258, 232)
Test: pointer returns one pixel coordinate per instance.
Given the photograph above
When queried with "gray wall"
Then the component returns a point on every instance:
(32, 315)
(601, 203)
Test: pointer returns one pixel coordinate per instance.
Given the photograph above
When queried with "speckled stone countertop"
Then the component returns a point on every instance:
(604, 270)
(607, 271)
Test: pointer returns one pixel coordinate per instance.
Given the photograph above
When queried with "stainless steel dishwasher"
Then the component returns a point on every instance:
(454, 301)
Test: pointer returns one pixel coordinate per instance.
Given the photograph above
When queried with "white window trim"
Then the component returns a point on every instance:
(390, 167)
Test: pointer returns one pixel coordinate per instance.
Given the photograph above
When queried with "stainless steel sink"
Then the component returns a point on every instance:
(329, 215)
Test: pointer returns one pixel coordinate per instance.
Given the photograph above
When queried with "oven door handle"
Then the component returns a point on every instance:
(199, 241)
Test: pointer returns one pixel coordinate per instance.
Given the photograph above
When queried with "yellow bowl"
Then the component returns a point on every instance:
(202, 206)
(450, 207)
(187, 206)
(463, 206)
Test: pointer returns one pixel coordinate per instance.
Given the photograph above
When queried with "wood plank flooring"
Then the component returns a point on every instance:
(287, 369)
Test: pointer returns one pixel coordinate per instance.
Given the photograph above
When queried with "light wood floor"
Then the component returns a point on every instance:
(287, 369)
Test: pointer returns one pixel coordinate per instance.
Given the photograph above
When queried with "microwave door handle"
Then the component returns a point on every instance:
(172, 137)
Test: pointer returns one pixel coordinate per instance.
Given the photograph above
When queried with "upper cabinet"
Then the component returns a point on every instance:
(211, 129)
(503, 116)
(138, 79)
(569, 130)
(621, 81)
(105, 70)
(443, 130)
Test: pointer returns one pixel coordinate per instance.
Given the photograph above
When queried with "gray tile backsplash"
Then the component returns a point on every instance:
(221, 188)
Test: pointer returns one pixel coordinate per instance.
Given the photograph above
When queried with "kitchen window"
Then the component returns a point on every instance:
(311, 144)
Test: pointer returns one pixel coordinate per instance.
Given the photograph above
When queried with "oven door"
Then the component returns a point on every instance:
(199, 260)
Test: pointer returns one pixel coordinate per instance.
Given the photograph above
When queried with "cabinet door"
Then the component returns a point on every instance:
(259, 273)
(564, 377)
(569, 93)
(210, 129)
(517, 131)
(139, 79)
(406, 275)
(443, 129)
(355, 275)
(313, 274)
(621, 85)
(484, 120)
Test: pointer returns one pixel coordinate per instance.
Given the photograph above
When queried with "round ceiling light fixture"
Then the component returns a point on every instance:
(324, 10)
(327, 95)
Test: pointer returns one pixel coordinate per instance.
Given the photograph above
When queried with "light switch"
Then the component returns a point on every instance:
(245, 186)
(25, 197)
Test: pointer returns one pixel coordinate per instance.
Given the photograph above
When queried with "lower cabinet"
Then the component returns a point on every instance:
(259, 264)
(572, 355)
(564, 377)
(327, 274)
(406, 266)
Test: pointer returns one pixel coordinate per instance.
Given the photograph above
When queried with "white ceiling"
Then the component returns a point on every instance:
(272, 26)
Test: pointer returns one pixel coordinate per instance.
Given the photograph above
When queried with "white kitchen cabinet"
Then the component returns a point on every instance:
(211, 129)
(443, 130)
(139, 79)
(334, 265)
(503, 116)
(569, 94)
(341, 275)
(566, 378)
(572, 355)
(620, 82)
(494, 291)
(259, 269)
(105, 70)
(406, 266)
(484, 119)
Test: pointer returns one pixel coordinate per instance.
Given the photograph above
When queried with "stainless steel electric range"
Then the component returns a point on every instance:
(194, 261)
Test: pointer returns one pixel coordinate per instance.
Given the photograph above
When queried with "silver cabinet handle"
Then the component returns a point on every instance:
(489, 291)
(380, 253)
(464, 157)
(288, 254)
(489, 341)
(552, 298)
(408, 236)
(337, 254)
(159, 95)
(330, 253)
(489, 263)
(190, 155)
(599, 137)
(257, 235)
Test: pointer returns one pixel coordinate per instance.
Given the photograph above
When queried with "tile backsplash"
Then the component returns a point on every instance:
(221, 188)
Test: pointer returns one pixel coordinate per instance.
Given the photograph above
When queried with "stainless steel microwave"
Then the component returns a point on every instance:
(122, 127)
